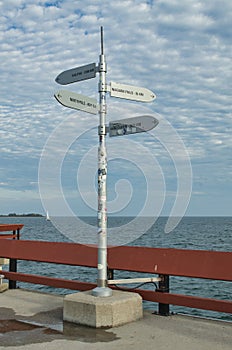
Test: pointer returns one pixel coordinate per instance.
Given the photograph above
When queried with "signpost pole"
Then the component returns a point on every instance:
(116, 128)
(102, 289)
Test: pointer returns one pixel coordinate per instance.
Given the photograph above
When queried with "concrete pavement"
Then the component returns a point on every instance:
(32, 320)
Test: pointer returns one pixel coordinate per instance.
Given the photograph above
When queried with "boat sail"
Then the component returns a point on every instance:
(47, 217)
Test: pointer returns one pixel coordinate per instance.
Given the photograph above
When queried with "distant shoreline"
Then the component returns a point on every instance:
(14, 215)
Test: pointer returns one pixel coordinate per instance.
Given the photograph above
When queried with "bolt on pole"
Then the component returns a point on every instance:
(102, 289)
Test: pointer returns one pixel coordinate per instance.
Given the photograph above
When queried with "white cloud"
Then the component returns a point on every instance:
(180, 50)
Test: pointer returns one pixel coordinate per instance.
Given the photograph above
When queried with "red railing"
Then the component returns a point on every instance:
(162, 261)
(15, 234)
(14, 228)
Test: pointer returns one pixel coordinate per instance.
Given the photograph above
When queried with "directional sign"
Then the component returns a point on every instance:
(130, 92)
(132, 125)
(77, 101)
(77, 74)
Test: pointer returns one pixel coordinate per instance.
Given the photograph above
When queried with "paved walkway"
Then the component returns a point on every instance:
(31, 320)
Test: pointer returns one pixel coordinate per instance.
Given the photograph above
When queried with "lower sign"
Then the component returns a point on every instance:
(77, 101)
(132, 125)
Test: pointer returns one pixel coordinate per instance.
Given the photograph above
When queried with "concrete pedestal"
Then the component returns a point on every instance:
(3, 287)
(102, 312)
(4, 261)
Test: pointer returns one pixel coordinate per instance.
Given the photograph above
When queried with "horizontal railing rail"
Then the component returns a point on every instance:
(162, 261)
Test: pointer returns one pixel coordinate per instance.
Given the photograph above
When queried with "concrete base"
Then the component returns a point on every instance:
(4, 261)
(102, 312)
(3, 287)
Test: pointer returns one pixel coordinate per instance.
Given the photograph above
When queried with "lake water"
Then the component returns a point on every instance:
(209, 233)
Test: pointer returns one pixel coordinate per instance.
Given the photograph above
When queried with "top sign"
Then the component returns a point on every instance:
(77, 74)
(132, 125)
(130, 92)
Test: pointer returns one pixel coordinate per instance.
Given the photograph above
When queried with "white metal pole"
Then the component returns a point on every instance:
(102, 289)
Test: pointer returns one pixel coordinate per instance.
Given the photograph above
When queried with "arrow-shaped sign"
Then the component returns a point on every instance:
(77, 101)
(130, 92)
(132, 125)
(77, 74)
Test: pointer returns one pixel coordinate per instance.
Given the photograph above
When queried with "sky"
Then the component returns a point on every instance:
(179, 50)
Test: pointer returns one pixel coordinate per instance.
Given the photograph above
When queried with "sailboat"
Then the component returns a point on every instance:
(47, 217)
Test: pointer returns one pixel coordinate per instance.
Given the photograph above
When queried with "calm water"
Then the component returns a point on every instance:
(210, 233)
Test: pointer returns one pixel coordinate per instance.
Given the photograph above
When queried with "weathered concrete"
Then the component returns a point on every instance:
(34, 321)
(3, 286)
(4, 261)
(102, 312)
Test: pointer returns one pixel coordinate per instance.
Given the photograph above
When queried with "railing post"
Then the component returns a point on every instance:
(110, 274)
(13, 265)
(163, 288)
(18, 233)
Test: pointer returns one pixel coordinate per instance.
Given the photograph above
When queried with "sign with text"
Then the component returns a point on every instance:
(77, 74)
(77, 101)
(130, 92)
(132, 125)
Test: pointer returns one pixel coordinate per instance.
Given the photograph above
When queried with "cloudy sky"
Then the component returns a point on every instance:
(179, 50)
